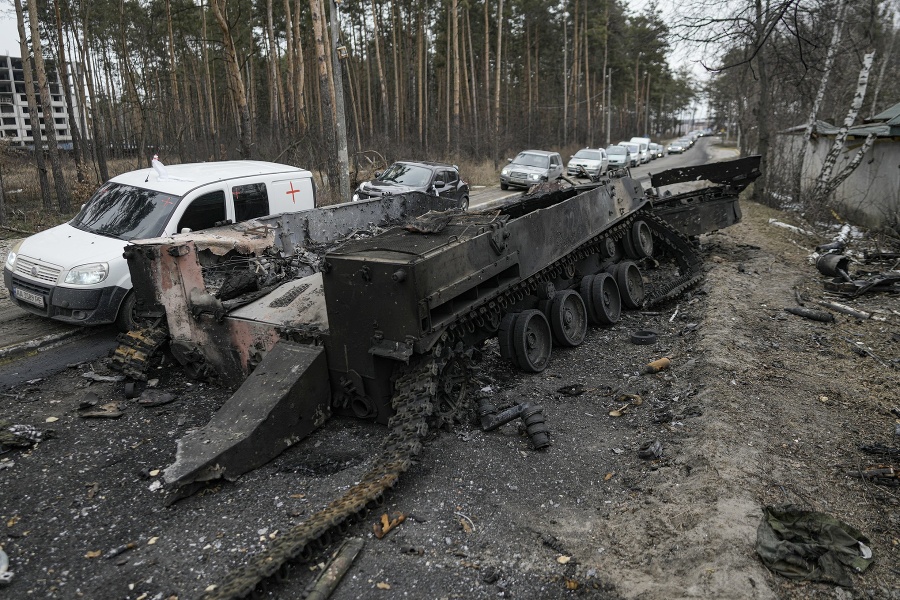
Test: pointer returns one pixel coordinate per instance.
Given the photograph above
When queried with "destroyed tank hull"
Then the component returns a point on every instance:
(374, 309)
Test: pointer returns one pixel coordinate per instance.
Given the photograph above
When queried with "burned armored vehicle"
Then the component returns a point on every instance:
(375, 308)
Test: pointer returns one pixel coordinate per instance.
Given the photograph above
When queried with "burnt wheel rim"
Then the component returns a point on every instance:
(568, 318)
(631, 284)
(607, 302)
(532, 341)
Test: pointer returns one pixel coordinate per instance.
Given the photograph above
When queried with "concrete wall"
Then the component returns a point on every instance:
(870, 196)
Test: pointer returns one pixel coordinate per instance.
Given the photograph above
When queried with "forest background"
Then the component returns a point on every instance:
(463, 81)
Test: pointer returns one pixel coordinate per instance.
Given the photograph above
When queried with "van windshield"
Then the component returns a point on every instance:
(126, 212)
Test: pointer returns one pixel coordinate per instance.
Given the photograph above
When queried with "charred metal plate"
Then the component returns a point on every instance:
(297, 302)
(737, 173)
(285, 399)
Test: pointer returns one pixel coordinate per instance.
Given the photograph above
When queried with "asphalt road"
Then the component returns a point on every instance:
(32, 347)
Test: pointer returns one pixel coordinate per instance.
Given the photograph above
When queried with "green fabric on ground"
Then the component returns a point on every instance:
(813, 546)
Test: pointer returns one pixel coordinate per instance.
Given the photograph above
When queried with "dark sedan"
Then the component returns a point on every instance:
(438, 179)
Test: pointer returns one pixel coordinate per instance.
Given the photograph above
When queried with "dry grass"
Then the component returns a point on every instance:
(24, 208)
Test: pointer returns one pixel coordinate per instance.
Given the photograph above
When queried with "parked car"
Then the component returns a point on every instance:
(686, 141)
(76, 273)
(676, 147)
(657, 150)
(530, 167)
(635, 151)
(619, 157)
(592, 160)
(643, 148)
(439, 179)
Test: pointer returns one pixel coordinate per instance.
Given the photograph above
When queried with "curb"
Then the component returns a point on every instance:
(37, 343)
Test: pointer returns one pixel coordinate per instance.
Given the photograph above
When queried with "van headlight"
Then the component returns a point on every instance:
(11, 256)
(88, 274)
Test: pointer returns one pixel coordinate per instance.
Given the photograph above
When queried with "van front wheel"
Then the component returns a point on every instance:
(125, 320)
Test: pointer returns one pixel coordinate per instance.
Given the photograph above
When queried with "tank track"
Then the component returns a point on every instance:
(416, 387)
(132, 355)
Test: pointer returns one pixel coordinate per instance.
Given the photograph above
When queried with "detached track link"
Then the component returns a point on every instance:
(415, 388)
(132, 355)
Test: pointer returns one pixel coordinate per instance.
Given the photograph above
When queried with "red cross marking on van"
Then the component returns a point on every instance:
(292, 191)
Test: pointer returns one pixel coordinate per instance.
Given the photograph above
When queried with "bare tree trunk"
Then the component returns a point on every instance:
(826, 73)
(213, 134)
(763, 113)
(824, 180)
(325, 98)
(173, 76)
(487, 71)
(884, 63)
(300, 74)
(33, 113)
(235, 81)
(420, 60)
(380, 65)
(59, 182)
(474, 84)
(62, 67)
(497, 85)
(276, 92)
(395, 52)
(2, 198)
(454, 28)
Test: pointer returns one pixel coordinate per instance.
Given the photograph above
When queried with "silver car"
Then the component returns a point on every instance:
(619, 157)
(592, 161)
(531, 167)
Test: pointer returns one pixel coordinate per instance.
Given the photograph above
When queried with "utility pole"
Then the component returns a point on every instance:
(647, 109)
(337, 53)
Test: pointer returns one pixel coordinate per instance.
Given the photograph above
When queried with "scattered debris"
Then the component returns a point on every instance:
(834, 265)
(120, 550)
(882, 474)
(843, 308)
(633, 400)
(324, 585)
(658, 365)
(864, 350)
(574, 390)
(810, 313)
(103, 378)
(644, 337)
(150, 398)
(105, 411)
(531, 415)
(381, 528)
(5, 574)
(791, 228)
(811, 546)
(651, 450)
(22, 436)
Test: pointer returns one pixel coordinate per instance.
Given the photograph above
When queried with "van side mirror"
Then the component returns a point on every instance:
(185, 230)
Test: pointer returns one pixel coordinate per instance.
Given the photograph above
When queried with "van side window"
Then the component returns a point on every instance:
(250, 201)
(205, 211)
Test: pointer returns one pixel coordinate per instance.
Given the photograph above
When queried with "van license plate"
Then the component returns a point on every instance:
(30, 298)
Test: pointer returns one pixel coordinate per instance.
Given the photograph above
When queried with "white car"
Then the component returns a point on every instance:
(76, 273)
(530, 167)
(592, 161)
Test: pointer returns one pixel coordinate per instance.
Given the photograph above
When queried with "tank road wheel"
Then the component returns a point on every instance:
(504, 336)
(568, 318)
(584, 290)
(606, 299)
(631, 284)
(642, 239)
(532, 341)
(451, 390)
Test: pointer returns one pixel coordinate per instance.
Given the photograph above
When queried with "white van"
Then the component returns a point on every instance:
(644, 145)
(76, 273)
